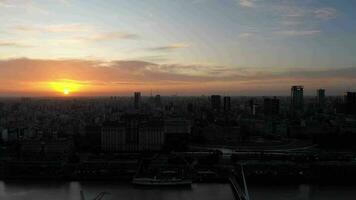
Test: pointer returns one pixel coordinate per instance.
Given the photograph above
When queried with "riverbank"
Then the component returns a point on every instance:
(54, 190)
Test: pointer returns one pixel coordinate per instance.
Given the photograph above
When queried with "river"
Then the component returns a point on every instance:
(26, 190)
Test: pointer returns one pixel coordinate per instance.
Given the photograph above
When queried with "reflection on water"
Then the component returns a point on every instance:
(71, 191)
(302, 192)
(16, 190)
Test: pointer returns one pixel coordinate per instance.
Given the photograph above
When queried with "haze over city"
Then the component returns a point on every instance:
(184, 47)
(177, 99)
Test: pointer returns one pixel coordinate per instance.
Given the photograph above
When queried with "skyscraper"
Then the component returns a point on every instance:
(137, 101)
(227, 103)
(215, 102)
(297, 98)
(350, 102)
(158, 102)
(320, 97)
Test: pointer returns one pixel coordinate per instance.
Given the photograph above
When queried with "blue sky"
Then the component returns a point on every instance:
(231, 37)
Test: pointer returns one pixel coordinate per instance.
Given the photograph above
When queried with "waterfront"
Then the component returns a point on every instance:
(19, 190)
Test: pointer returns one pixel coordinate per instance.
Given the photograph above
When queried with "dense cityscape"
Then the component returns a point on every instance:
(191, 139)
(177, 100)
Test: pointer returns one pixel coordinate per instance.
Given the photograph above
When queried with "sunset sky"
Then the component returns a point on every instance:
(184, 47)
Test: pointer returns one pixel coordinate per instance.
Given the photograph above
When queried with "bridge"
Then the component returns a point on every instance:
(240, 193)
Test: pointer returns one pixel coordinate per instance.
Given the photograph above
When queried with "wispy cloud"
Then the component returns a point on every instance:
(108, 36)
(4, 43)
(6, 4)
(64, 2)
(325, 13)
(60, 28)
(74, 32)
(246, 35)
(247, 3)
(297, 32)
(54, 28)
(170, 47)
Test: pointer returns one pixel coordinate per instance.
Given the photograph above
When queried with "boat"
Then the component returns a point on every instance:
(162, 182)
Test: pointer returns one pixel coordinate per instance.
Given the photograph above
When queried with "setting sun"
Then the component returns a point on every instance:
(66, 91)
(65, 87)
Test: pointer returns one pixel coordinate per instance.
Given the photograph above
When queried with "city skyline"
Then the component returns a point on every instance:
(191, 47)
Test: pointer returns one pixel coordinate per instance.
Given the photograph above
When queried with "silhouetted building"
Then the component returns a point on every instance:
(48, 147)
(252, 107)
(297, 98)
(92, 137)
(135, 133)
(215, 102)
(190, 107)
(113, 137)
(350, 102)
(177, 132)
(227, 103)
(158, 102)
(271, 106)
(151, 135)
(320, 97)
(137, 100)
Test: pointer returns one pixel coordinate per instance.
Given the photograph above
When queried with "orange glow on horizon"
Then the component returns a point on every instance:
(65, 87)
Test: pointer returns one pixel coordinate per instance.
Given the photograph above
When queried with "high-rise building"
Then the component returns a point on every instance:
(177, 132)
(271, 106)
(350, 102)
(227, 103)
(320, 97)
(252, 107)
(158, 102)
(135, 133)
(297, 98)
(113, 137)
(215, 102)
(137, 101)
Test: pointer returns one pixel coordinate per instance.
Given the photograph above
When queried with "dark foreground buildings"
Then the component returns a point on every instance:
(109, 138)
(271, 106)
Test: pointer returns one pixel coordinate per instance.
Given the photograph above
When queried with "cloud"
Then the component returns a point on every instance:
(169, 47)
(247, 3)
(5, 4)
(60, 28)
(290, 11)
(245, 35)
(54, 28)
(64, 2)
(109, 36)
(325, 13)
(4, 43)
(31, 75)
(76, 32)
(297, 32)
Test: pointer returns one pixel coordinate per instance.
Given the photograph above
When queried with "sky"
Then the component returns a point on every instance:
(184, 47)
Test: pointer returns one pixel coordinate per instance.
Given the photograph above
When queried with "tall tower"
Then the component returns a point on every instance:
(137, 100)
(158, 102)
(350, 102)
(320, 97)
(227, 103)
(297, 98)
(215, 102)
